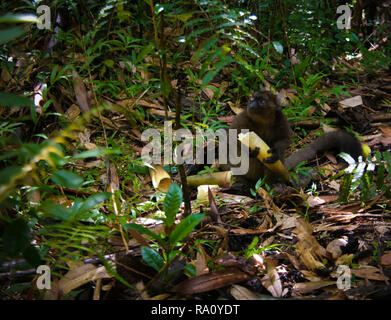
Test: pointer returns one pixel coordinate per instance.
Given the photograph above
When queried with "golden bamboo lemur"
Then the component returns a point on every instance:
(264, 116)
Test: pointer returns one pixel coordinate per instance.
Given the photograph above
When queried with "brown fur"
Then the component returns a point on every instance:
(264, 116)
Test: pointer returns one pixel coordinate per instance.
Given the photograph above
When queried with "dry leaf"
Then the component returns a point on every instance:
(211, 281)
(293, 260)
(81, 92)
(369, 272)
(385, 139)
(315, 201)
(233, 198)
(271, 281)
(334, 248)
(351, 102)
(227, 119)
(288, 222)
(141, 288)
(131, 66)
(242, 293)
(81, 275)
(385, 259)
(311, 276)
(307, 287)
(345, 259)
(235, 109)
(73, 112)
(208, 92)
(244, 231)
(201, 265)
(310, 251)
(114, 180)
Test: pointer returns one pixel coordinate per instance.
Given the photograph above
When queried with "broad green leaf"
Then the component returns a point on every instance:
(144, 52)
(10, 34)
(152, 258)
(253, 244)
(278, 46)
(183, 17)
(7, 173)
(56, 211)
(77, 204)
(18, 287)
(142, 230)
(109, 63)
(13, 100)
(204, 48)
(31, 254)
(166, 88)
(185, 227)
(53, 74)
(138, 169)
(90, 153)
(94, 200)
(190, 268)
(20, 18)
(111, 271)
(33, 112)
(16, 237)
(212, 73)
(67, 179)
(171, 204)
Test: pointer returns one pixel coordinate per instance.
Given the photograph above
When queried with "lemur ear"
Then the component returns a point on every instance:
(262, 88)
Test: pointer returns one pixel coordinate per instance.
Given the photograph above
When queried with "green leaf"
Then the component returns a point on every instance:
(145, 51)
(185, 227)
(7, 173)
(152, 258)
(143, 230)
(67, 179)
(171, 204)
(109, 63)
(18, 287)
(20, 18)
(16, 237)
(166, 88)
(138, 169)
(53, 74)
(94, 200)
(32, 256)
(278, 46)
(11, 34)
(13, 100)
(33, 112)
(183, 17)
(90, 153)
(57, 211)
(212, 73)
(111, 271)
(190, 268)
(204, 48)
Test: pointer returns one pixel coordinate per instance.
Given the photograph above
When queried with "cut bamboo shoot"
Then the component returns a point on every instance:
(223, 179)
(252, 140)
(161, 180)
